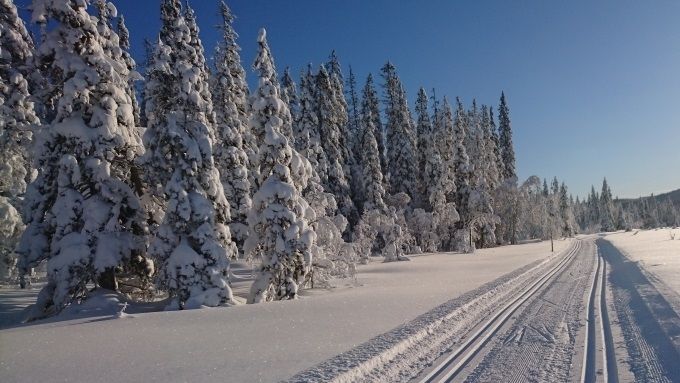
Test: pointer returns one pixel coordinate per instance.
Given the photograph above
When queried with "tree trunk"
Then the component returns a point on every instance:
(107, 279)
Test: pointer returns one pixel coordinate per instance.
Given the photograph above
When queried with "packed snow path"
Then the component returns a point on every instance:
(586, 315)
(649, 326)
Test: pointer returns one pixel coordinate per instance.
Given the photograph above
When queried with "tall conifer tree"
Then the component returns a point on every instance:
(505, 140)
(278, 220)
(230, 156)
(401, 151)
(82, 215)
(331, 133)
(193, 243)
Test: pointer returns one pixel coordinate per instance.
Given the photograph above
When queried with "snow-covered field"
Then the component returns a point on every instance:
(658, 253)
(264, 342)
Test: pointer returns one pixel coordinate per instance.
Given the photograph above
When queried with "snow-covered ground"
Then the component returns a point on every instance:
(658, 253)
(264, 342)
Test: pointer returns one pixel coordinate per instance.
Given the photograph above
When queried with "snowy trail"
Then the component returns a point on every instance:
(455, 362)
(650, 326)
(599, 363)
(563, 331)
(546, 322)
(401, 354)
(543, 343)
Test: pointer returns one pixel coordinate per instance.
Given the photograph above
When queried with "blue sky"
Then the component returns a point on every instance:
(593, 87)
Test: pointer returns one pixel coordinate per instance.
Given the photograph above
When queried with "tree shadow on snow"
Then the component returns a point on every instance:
(658, 323)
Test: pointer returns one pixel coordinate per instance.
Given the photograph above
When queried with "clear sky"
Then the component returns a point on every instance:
(593, 86)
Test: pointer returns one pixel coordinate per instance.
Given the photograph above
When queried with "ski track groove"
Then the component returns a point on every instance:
(446, 370)
(599, 361)
(589, 364)
(540, 359)
(402, 353)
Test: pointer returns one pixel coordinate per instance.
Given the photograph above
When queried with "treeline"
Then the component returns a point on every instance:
(306, 178)
(599, 212)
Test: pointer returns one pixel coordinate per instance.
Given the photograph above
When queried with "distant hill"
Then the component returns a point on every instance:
(673, 195)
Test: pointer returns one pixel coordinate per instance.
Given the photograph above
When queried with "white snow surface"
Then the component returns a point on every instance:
(658, 253)
(253, 343)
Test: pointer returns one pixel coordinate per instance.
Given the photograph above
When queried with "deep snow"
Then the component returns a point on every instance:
(263, 342)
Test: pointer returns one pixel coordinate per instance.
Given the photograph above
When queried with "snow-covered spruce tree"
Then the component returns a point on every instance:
(337, 79)
(428, 156)
(11, 228)
(606, 208)
(506, 193)
(397, 231)
(443, 197)
(492, 174)
(198, 59)
(353, 129)
(447, 147)
(149, 50)
(160, 94)
(238, 88)
(341, 116)
(124, 42)
(290, 97)
(593, 222)
(334, 68)
(118, 44)
(650, 212)
(554, 211)
(554, 221)
(341, 109)
(567, 213)
(475, 145)
(230, 156)
(193, 243)
(157, 158)
(332, 256)
(372, 187)
(505, 140)
(401, 156)
(461, 167)
(353, 107)
(307, 136)
(376, 219)
(496, 150)
(331, 134)
(371, 96)
(279, 231)
(17, 119)
(17, 114)
(159, 100)
(480, 215)
(421, 222)
(82, 216)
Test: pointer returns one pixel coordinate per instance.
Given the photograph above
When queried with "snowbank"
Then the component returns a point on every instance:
(247, 343)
